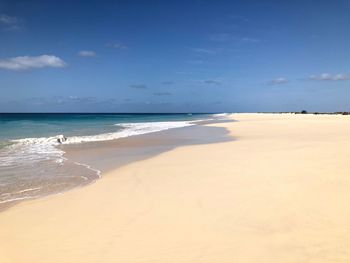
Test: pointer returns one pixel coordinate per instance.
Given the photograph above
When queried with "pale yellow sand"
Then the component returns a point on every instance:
(279, 193)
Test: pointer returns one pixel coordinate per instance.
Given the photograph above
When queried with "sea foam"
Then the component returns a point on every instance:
(31, 150)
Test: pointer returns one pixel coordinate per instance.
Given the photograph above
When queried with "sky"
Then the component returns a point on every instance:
(174, 56)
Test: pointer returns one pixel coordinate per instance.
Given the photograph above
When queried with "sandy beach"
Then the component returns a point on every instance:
(277, 192)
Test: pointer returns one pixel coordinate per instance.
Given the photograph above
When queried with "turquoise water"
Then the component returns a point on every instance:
(32, 163)
(29, 125)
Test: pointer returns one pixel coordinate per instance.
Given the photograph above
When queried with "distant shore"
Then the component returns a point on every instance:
(264, 188)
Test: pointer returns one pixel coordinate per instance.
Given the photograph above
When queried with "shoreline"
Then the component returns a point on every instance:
(277, 192)
(125, 150)
(106, 156)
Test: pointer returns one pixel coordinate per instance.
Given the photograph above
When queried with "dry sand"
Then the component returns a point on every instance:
(280, 192)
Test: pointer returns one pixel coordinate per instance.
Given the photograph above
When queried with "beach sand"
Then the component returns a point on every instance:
(278, 192)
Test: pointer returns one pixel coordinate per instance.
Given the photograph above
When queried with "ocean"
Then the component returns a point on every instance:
(32, 161)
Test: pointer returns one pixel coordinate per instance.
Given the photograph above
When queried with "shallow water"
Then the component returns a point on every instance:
(33, 163)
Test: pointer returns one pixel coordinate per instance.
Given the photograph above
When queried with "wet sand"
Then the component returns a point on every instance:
(97, 158)
(278, 192)
(110, 155)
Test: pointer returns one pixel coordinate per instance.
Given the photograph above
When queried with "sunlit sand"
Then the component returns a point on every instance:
(278, 192)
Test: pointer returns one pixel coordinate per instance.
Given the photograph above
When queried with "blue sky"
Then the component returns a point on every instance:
(174, 56)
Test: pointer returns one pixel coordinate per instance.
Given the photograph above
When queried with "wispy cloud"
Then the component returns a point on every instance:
(80, 99)
(329, 77)
(27, 62)
(204, 50)
(162, 94)
(87, 53)
(250, 40)
(228, 37)
(239, 18)
(167, 82)
(212, 82)
(10, 22)
(195, 61)
(221, 37)
(138, 86)
(58, 100)
(116, 45)
(183, 73)
(278, 81)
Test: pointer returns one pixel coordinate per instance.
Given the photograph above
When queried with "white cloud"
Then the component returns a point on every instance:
(138, 86)
(196, 61)
(222, 37)
(250, 40)
(116, 45)
(331, 77)
(27, 62)
(87, 53)
(277, 81)
(204, 50)
(10, 22)
(162, 94)
(228, 37)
